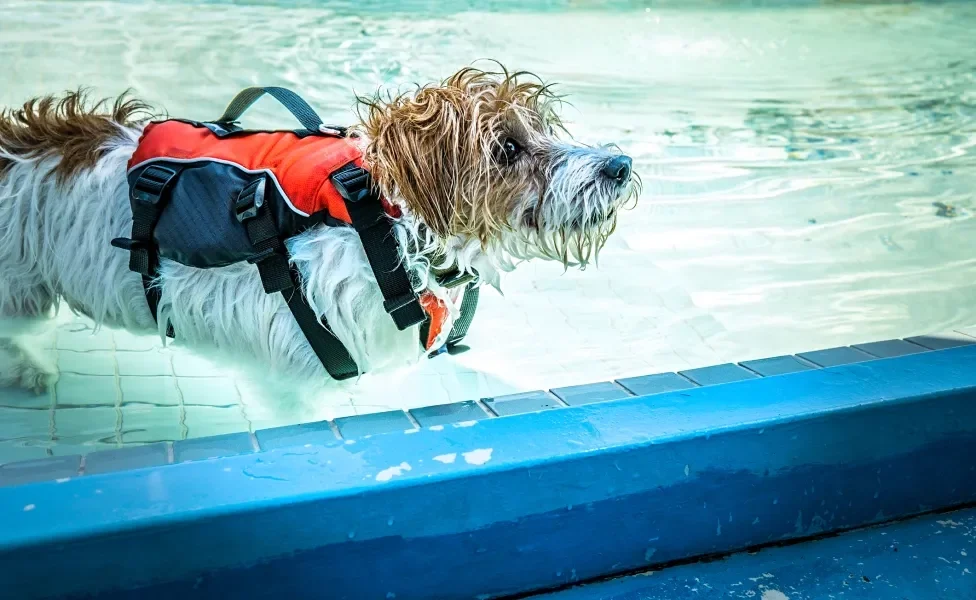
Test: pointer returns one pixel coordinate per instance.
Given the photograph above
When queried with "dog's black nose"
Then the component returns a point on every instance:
(618, 168)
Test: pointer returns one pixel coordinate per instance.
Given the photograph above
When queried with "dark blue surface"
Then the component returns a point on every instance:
(928, 558)
(41, 469)
(373, 424)
(942, 341)
(779, 365)
(718, 374)
(656, 384)
(132, 457)
(890, 348)
(217, 446)
(516, 404)
(445, 414)
(318, 433)
(592, 392)
(834, 357)
(511, 505)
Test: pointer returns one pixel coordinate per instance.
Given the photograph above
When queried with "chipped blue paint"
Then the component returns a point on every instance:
(928, 558)
(537, 500)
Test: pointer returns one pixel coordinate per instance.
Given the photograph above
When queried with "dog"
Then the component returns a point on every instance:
(480, 167)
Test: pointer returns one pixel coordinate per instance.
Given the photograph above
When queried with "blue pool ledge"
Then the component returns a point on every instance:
(575, 484)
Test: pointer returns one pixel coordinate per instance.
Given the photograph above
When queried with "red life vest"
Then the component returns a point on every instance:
(209, 194)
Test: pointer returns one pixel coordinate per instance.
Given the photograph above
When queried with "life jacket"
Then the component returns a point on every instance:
(211, 194)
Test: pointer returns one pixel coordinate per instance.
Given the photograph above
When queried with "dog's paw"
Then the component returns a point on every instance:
(19, 369)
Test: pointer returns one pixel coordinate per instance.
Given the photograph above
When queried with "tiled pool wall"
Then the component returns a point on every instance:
(223, 395)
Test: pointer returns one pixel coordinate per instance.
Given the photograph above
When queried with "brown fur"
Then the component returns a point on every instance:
(436, 147)
(69, 127)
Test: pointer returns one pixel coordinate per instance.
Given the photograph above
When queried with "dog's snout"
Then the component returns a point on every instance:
(618, 168)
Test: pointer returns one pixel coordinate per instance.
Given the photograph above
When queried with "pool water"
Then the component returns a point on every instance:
(808, 175)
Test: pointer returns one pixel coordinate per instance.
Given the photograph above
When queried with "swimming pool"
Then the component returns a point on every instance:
(808, 174)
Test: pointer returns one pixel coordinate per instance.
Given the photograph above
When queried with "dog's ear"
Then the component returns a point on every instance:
(418, 150)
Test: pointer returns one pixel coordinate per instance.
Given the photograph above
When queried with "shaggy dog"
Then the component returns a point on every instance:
(479, 166)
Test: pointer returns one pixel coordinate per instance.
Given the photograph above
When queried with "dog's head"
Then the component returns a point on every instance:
(483, 156)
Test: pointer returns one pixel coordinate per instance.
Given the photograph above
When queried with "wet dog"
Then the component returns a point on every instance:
(479, 165)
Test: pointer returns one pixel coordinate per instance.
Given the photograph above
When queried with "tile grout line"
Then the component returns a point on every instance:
(118, 394)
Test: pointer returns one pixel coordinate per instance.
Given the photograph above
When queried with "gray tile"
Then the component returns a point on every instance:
(514, 404)
(291, 436)
(86, 390)
(726, 373)
(145, 363)
(890, 348)
(86, 424)
(941, 341)
(23, 423)
(21, 398)
(135, 343)
(84, 340)
(24, 449)
(589, 393)
(143, 423)
(444, 414)
(204, 421)
(833, 357)
(778, 365)
(209, 391)
(45, 469)
(656, 384)
(158, 391)
(187, 364)
(129, 457)
(96, 362)
(216, 446)
(381, 422)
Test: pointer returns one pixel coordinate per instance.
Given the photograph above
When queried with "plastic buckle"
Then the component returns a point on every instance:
(248, 203)
(456, 278)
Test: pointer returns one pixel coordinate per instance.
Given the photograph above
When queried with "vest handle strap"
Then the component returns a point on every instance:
(297, 106)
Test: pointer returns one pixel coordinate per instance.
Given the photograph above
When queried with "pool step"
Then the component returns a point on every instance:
(331, 433)
(926, 558)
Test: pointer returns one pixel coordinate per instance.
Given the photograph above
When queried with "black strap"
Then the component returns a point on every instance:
(375, 230)
(277, 275)
(468, 307)
(327, 347)
(147, 199)
(300, 109)
(270, 257)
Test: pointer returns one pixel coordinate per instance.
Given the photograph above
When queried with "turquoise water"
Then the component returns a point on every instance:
(809, 173)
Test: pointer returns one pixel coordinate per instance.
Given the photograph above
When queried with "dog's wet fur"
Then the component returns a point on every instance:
(480, 166)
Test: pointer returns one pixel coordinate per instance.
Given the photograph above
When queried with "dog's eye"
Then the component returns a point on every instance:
(510, 150)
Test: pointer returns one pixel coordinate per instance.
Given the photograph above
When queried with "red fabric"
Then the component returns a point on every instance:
(301, 165)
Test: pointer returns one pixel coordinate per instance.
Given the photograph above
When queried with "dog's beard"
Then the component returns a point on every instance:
(573, 219)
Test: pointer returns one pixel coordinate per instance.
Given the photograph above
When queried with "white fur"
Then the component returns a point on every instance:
(54, 244)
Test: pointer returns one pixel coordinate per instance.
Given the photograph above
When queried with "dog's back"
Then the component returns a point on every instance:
(62, 178)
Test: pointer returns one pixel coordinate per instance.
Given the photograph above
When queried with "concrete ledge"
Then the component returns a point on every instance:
(485, 508)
